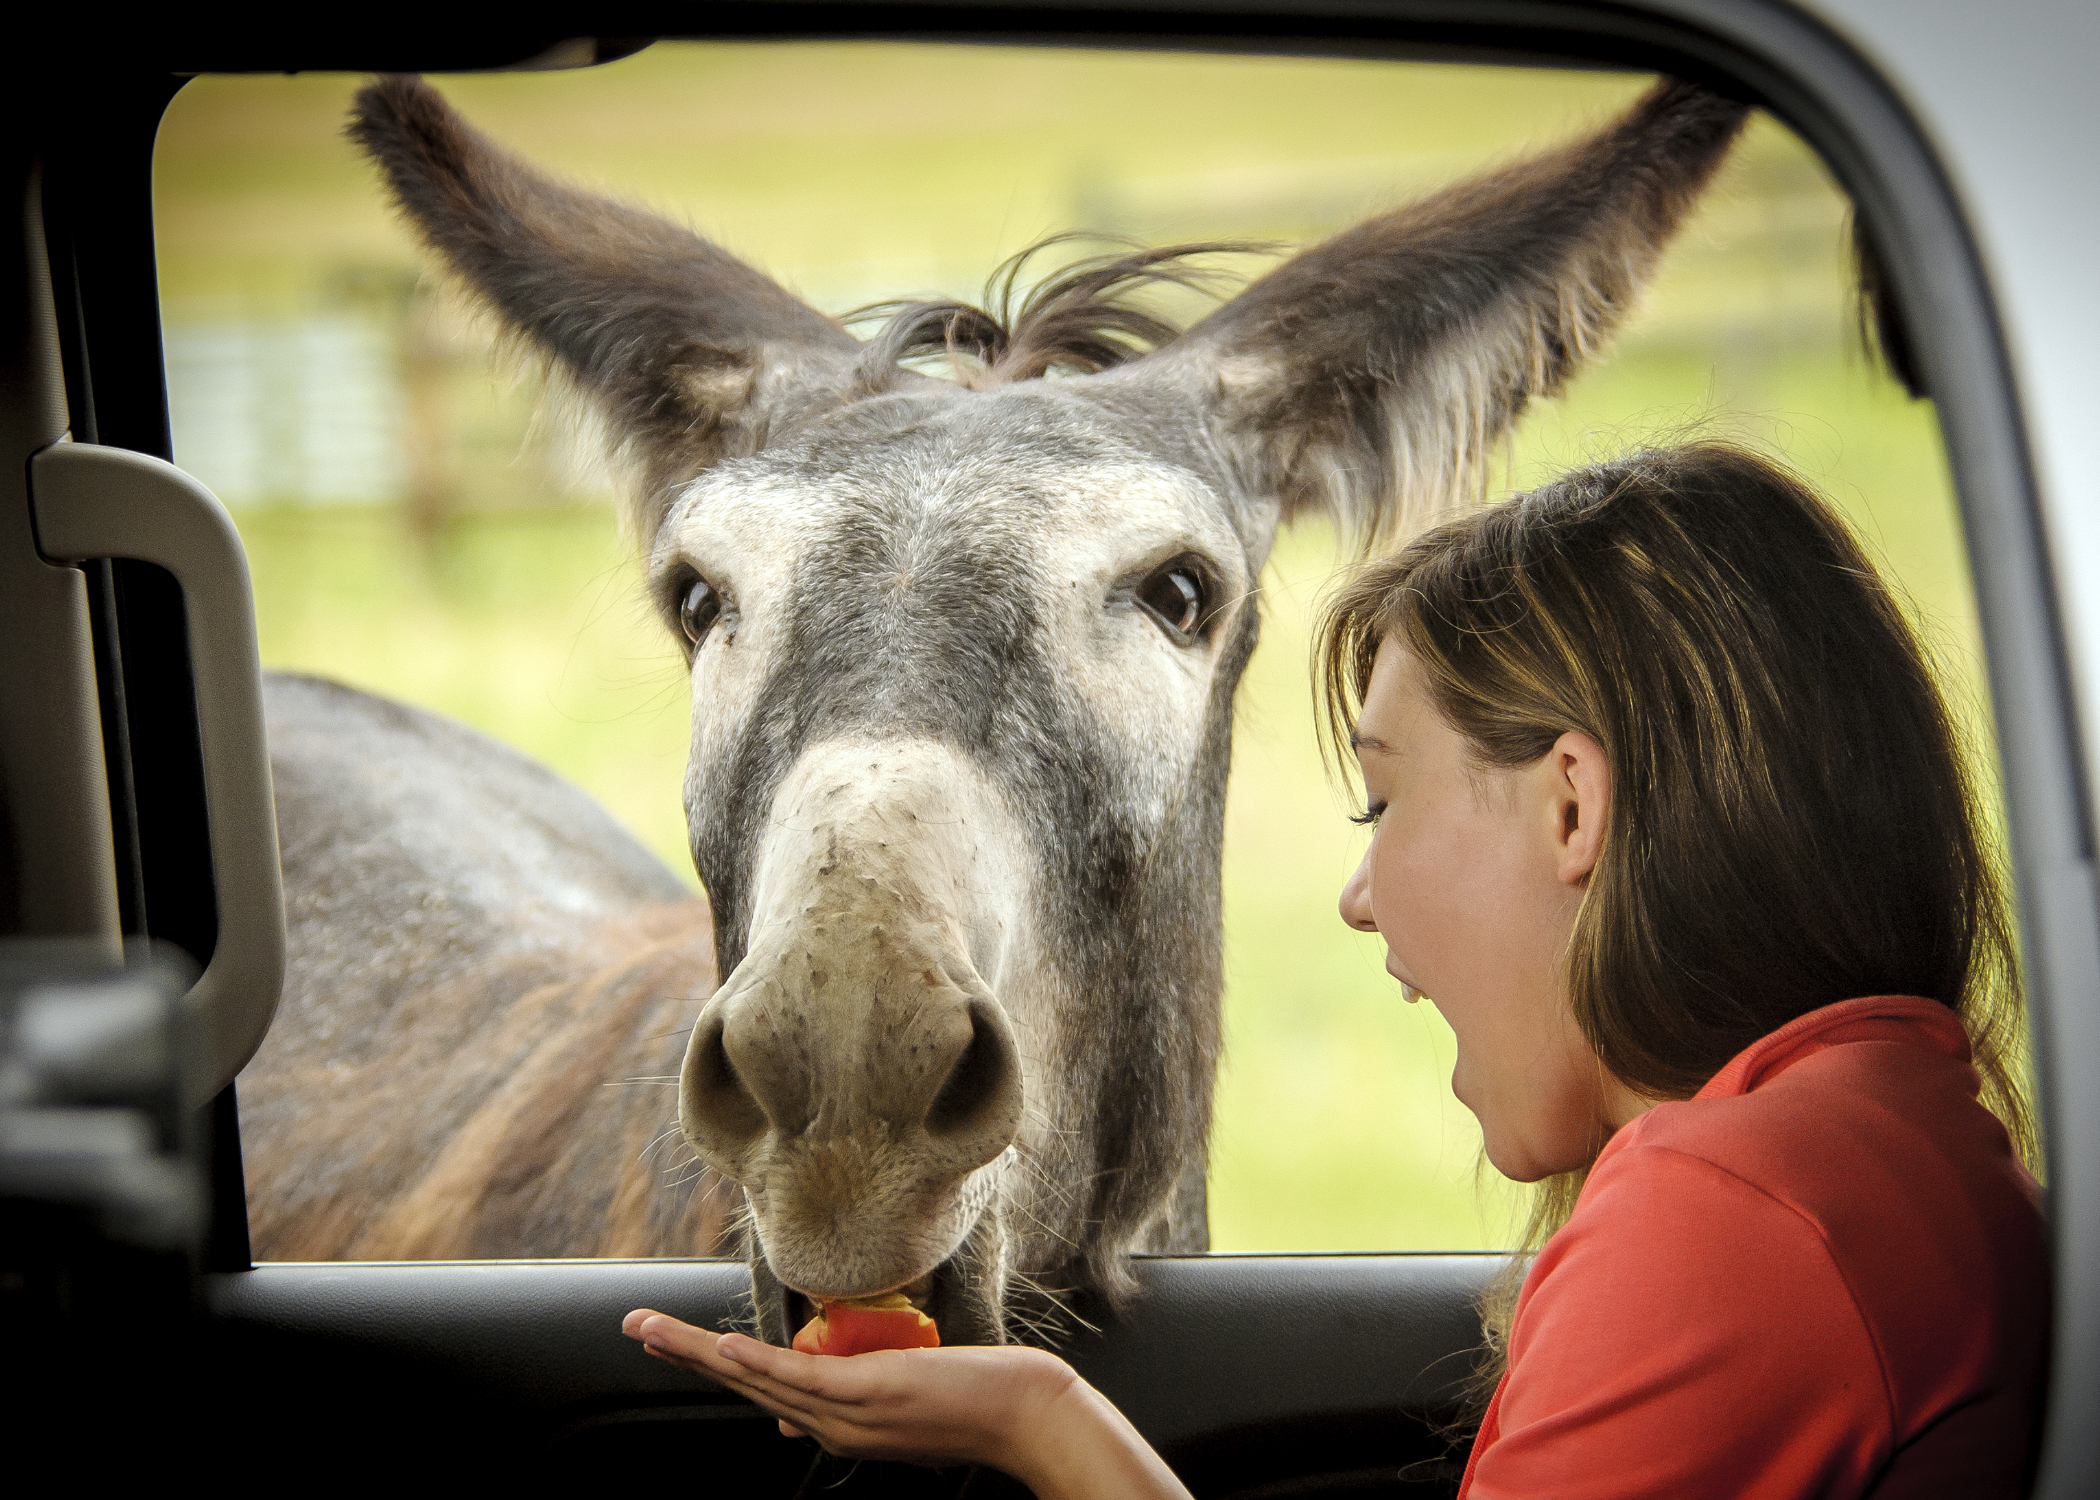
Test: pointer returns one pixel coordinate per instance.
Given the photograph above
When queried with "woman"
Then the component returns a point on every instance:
(1673, 828)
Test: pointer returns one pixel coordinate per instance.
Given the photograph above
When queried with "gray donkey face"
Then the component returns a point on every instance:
(963, 655)
(957, 787)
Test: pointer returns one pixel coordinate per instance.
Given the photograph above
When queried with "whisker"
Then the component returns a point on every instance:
(658, 1141)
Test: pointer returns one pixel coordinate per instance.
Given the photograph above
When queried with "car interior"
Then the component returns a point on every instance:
(141, 902)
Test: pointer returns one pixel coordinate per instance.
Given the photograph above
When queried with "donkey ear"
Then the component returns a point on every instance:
(692, 355)
(1369, 376)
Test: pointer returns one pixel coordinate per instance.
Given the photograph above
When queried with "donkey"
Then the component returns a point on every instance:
(478, 956)
(963, 643)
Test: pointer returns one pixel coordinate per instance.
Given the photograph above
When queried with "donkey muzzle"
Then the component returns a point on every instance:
(855, 1070)
(851, 1090)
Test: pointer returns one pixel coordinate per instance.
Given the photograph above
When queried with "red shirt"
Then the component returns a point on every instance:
(1823, 1275)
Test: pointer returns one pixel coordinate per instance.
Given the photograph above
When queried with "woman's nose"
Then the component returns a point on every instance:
(1356, 897)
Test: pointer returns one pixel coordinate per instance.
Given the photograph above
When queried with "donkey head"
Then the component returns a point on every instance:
(963, 654)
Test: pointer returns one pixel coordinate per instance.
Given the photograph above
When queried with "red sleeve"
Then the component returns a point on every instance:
(1686, 1335)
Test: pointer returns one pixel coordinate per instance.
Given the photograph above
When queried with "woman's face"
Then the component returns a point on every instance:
(1473, 877)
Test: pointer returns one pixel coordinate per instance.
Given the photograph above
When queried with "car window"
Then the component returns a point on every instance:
(424, 523)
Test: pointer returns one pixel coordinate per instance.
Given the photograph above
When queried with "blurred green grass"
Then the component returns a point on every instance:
(865, 171)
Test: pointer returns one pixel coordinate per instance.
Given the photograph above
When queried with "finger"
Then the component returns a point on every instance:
(634, 1325)
(782, 1401)
(795, 1418)
(843, 1382)
(808, 1395)
(631, 1325)
(668, 1333)
(692, 1365)
(696, 1354)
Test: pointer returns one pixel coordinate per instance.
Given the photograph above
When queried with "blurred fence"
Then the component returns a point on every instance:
(302, 409)
(371, 389)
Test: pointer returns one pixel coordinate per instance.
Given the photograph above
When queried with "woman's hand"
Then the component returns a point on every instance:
(1021, 1411)
(927, 1406)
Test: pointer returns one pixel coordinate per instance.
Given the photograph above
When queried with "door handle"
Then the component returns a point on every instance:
(91, 501)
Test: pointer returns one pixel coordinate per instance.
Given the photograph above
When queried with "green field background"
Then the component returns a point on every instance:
(858, 172)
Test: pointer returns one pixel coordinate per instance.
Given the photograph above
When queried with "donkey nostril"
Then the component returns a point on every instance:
(983, 1090)
(717, 1109)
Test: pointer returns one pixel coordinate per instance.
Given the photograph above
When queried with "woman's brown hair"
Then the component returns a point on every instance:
(1793, 819)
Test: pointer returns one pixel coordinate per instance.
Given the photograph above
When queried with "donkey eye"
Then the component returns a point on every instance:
(1175, 595)
(697, 609)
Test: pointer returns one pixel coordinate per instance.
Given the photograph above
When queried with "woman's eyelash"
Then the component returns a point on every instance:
(1368, 816)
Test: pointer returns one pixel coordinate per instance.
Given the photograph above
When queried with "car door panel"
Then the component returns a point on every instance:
(1248, 1371)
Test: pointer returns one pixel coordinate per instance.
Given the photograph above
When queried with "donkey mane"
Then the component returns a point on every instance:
(1079, 321)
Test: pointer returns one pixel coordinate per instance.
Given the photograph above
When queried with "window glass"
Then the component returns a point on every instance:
(422, 525)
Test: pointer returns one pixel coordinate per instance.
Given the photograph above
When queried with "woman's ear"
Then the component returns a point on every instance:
(1579, 781)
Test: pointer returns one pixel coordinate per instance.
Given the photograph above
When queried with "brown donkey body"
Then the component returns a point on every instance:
(479, 961)
(963, 654)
